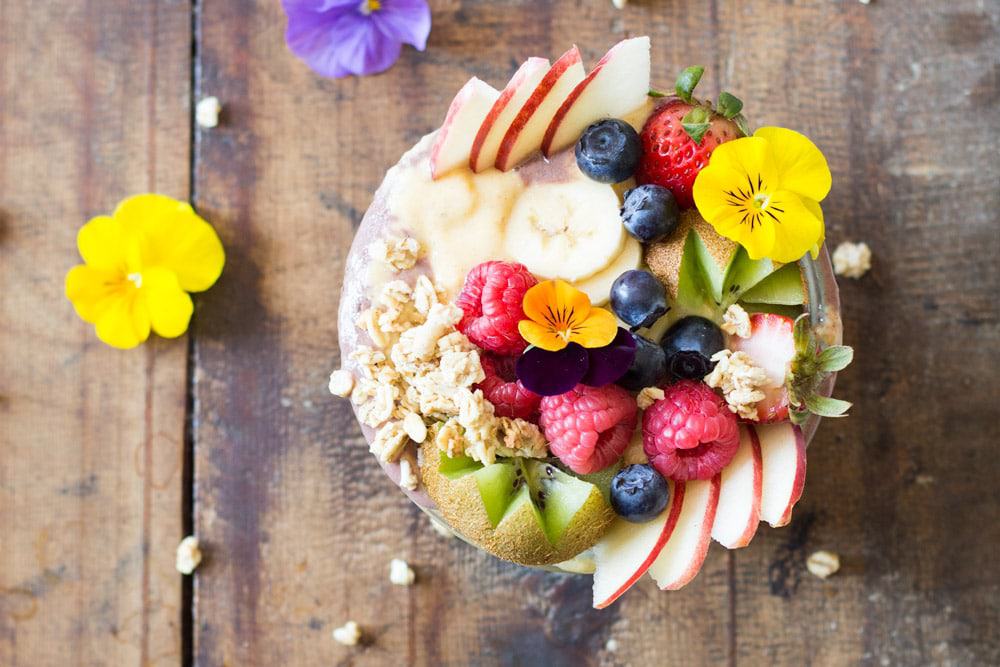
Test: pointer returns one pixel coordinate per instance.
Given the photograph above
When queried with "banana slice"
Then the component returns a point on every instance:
(598, 286)
(566, 230)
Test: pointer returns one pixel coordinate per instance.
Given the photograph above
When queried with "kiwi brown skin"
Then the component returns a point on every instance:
(519, 538)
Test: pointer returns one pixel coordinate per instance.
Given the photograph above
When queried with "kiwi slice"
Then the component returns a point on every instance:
(527, 511)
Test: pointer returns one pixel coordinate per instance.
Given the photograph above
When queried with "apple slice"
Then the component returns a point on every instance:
(627, 549)
(524, 136)
(783, 453)
(738, 514)
(465, 115)
(685, 551)
(618, 84)
(504, 110)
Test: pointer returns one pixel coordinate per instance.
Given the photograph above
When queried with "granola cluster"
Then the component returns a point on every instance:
(736, 321)
(417, 382)
(852, 260)
(740, 380)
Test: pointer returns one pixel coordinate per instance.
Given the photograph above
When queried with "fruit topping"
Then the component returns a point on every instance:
(689, 345)
(771, 347)
(684, 553)
(568, 230)
(638, 298)
(650, 212)
(553, 373)
(589, 428)
(524, 136)
(500, 116)
(648, 368)
(524, 510)
(618, 85)
(690, 433)
(796, 368)
(461, 124)
(501, 387)
(491, 305)
(678, 139)
(639, 493)
(608, 151)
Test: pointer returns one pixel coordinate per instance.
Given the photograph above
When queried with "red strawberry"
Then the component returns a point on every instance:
(679, 137)
(771, 345)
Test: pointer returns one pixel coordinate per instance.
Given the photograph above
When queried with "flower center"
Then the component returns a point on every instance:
(368, 6)
(135, 279)
(753, 201)
(760, 201)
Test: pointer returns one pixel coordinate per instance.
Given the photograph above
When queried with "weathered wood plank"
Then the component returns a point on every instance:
(301, 524)
(93, 107)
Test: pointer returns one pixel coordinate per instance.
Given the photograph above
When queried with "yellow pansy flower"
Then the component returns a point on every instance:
(763, 192)
(139, 265)
(559, 314)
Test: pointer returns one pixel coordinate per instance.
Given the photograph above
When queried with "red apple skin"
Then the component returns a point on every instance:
(558, 68)
(550, 132)
(758, 483)
(800, 478)
(498, 107)
(704, 541)
(676, 502)
(799, 483)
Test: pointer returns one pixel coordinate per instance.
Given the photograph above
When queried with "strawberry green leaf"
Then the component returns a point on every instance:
(655, 93)
(695, 293)
(783, 287)
(826, 407)
(802, 335)
(687, 81)
(835, 358)
(742, 274)
(729, 105)
(696, 123)
(742, 124)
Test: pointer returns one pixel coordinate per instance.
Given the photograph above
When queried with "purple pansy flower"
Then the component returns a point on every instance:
(339, 38)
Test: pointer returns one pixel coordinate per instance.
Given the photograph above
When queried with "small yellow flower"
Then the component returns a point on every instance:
(764, 191)
(559, 314)
(139, 265)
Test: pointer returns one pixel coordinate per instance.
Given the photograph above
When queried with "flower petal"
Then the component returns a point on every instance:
(609, 363)
(541, 335)
(406, 21)
(556, 303)
(174, 237)
(798, 230)
(124, 323)
(802, 167)
(91, 290)
(711, 186)
(103, 244)
(169, 306)
(552, 373)
(341, 42)
(598, 330)
(758, 239)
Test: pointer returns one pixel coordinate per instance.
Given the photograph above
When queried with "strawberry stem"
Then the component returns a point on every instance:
(687, 81)
(729, 105)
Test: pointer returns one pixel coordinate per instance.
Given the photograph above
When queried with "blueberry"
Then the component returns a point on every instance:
(649, 367)
(638, 298)
(608, 151)
(639, 493)
(689, 345)
(650, 212)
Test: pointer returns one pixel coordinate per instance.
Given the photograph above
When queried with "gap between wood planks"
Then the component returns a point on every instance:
(187, 492)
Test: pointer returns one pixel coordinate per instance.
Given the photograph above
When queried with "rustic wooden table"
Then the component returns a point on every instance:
(107, 458)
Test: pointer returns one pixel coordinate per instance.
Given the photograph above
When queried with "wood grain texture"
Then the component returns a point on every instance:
(93, 107)
(302, 524)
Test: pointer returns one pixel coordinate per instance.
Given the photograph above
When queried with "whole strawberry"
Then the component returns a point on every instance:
(678, 139)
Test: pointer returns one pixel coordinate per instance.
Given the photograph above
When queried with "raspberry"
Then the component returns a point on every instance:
(689, 433)
(502, 388)
(491, 303)
(588, 428)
